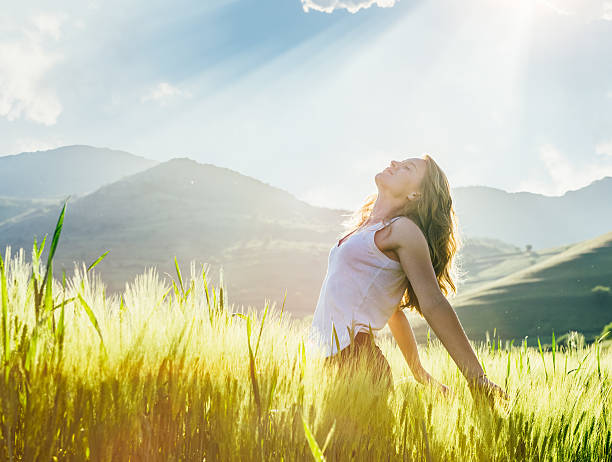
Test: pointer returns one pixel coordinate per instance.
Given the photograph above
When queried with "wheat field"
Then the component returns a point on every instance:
(169, 370)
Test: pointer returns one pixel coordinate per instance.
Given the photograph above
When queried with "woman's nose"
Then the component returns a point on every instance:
(393, 163)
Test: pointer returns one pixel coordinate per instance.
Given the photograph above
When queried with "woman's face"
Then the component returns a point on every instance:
(402, 178)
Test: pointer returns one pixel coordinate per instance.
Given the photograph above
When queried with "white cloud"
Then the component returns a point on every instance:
(25, 61)
(563, 175)
(607, 13)
(353, 6)
(587, 10)
(163, 93)
(49, 24)
(555, 8)
(604, 149)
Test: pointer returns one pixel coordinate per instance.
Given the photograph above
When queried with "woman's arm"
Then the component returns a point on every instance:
(411, 247)
(404, 336)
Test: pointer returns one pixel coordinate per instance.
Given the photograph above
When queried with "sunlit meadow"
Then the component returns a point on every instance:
(168, 370)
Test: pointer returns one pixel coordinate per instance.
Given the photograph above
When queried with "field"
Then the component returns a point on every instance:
(169, 371)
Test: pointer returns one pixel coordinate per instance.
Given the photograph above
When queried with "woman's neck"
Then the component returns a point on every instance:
(381, 211)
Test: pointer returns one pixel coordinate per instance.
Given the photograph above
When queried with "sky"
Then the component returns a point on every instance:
(317, 96)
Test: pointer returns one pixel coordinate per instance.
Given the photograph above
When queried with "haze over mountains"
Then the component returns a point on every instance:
(265, 239)
(59, 172)
(516, 218)
(533, 219)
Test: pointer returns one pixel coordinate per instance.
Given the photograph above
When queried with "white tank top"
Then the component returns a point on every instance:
(362, 288)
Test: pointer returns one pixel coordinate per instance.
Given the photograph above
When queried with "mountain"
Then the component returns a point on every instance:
(56, 173)
(554, 294)
(533, 219)
(264, 238)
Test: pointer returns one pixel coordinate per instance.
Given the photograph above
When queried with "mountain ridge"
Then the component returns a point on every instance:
(68, 170)
(265, 238)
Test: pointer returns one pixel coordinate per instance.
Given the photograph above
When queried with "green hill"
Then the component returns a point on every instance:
(554, 294)
(484, 260)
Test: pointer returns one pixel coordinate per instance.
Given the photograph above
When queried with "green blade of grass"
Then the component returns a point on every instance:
(48, 300)
(180, 278)
(508, 366)
(542, 356)
(55, 241)
(92, 318)
(335, 338)
(37, 251)
(283, 306)
(32, 348)
(177, 294)
(5, 323)
(328, 438)
(252, 373)
(597, 342)
(303, 353)
(317, 454)
(210, 313)
(221, 298)
(554, 348)
(98, 260)
(48, 305)
(370, 333)
(261, 328)
(64, 303)
(59, 334)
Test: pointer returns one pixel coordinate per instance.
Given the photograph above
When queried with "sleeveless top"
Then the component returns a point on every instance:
(361, 289)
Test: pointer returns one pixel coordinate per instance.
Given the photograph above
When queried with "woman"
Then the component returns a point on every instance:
(399, 254)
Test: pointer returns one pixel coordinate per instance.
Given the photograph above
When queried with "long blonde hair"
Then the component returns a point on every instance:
(435, 216)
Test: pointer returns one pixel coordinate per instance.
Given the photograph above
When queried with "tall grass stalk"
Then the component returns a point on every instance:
(543, 360)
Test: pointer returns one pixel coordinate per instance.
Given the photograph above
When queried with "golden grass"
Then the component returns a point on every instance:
(180, 379)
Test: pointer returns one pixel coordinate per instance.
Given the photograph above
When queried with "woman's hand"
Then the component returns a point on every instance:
(482, 386)
(444, 390)
(426, 379)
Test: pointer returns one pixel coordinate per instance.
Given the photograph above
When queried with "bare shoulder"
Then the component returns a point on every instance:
(406, 233)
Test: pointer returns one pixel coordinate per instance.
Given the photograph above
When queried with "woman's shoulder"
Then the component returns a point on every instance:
(404, 231)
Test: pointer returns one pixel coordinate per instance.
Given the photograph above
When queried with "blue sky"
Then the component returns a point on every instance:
(317, 96)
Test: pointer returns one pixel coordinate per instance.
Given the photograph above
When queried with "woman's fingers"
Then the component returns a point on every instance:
(499, 391)
(482, 387)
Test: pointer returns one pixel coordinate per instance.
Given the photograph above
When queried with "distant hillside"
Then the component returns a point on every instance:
(483, 260)
(541, 221)
(554, 294)
(265, 239)
(59, 172)
(12, 208)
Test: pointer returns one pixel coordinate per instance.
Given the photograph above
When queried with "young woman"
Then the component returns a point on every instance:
(399, 254)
